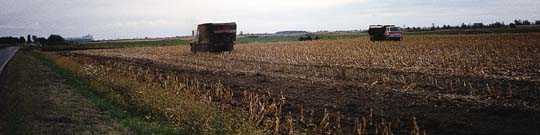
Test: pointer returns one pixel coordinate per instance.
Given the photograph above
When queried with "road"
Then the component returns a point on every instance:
(5, 55)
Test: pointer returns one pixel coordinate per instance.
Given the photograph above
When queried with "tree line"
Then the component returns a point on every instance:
(513, 24)
(32, 39)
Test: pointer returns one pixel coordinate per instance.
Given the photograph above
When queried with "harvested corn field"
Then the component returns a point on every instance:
(435, 84)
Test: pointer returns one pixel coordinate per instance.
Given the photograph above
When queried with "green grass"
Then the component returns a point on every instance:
(338, 36)
(16, 123)
(342, 36)
(112, 45)
(132, 120)
(266, 39)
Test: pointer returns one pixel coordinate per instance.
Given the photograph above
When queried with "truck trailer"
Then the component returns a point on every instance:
(214, 37)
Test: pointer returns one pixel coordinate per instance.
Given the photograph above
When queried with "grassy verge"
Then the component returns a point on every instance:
(35, 100)
(144, 105)
(15, 104)
(133, 120)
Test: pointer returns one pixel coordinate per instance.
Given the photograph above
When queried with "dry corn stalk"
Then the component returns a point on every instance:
(290, 124)
(323, 125)
(415, 130)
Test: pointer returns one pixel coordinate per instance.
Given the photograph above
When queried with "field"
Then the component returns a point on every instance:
(116, 44)
(435, 84)
(322, 36)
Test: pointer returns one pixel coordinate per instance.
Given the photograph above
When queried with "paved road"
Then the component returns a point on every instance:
(5, 55)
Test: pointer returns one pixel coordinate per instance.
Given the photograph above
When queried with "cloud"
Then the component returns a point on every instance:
(276, 4)
(140, 18)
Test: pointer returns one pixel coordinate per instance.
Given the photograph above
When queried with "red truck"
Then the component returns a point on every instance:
(385, 32)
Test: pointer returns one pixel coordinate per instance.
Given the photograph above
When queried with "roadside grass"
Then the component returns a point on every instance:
(135, 121)
(13, 117)
(35, 100)
(146, 106)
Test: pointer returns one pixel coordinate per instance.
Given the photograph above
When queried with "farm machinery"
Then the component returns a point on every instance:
(385, 32)
(214, 37)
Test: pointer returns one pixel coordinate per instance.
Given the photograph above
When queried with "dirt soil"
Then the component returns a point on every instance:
(35, 100)
(392, 94)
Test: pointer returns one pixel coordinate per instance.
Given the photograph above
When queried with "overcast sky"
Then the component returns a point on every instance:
(110, 19)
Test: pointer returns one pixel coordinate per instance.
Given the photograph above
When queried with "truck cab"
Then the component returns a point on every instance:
(393, 33)
(385, 32)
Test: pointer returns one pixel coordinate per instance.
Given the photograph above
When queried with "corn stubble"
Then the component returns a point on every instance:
(456, 66)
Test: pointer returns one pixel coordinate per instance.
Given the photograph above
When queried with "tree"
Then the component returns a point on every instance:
(29, 39)
(34, 38)
(9, 40)
(55, 40)
(40, 40)
(526, 22)
(22, 40)
(463, 26)
(497, 25)
(512, 25)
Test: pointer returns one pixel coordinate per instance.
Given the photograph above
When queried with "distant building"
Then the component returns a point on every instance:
(478, 25)
(81, 40)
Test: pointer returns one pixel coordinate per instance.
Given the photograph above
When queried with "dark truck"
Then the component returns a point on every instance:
(385, 32)
(214, 37)
(308, 37)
